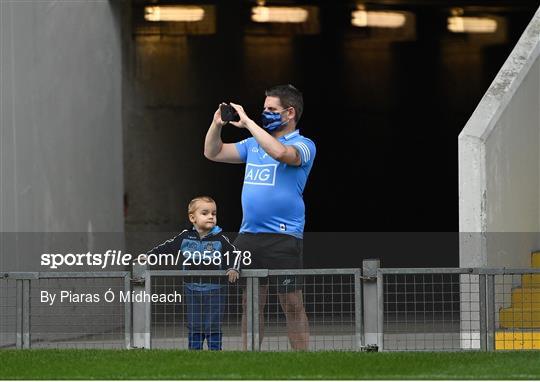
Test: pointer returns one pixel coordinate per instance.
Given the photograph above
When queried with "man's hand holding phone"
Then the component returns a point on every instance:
(231, 113)
(228, 113)
(243, 119)
(218, 118)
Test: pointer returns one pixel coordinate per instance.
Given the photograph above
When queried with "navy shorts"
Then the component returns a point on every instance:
(274, 251)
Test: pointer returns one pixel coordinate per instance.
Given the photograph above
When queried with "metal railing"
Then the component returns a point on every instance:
(331, 300)
(413, 309)
(78, 317)
(441, 309)
(8, 312)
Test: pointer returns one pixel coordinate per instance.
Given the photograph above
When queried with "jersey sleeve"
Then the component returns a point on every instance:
(242, 148)
(307, 150)
(169, 246)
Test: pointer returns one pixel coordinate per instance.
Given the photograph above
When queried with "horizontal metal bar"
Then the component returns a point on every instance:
(68, 275)
(409, 271)
(508, 271)
(21, 275)
(472, 271)
(243, 273)
(271, 272)
(260, 272)
(314, 272)
(57, 275)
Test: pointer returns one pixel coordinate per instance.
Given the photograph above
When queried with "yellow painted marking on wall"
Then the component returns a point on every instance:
(535, 259)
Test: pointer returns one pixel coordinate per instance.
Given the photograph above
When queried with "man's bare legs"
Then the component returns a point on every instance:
(297, 322)
(263, 293)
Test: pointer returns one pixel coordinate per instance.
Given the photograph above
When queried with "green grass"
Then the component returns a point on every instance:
(168, 364)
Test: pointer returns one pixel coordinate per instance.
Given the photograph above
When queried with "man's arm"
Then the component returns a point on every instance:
(277, 150)
(214, 148)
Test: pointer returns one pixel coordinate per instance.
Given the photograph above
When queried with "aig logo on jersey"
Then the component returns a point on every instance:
(261, 174)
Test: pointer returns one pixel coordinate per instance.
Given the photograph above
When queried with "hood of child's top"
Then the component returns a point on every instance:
(214, 231)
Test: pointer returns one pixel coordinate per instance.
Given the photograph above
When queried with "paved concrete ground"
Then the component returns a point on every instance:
(336, 337)
(324, 335)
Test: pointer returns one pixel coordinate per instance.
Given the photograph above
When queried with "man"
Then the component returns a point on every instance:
(278, 161)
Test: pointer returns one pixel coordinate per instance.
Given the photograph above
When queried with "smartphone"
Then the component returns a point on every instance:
(228, 113)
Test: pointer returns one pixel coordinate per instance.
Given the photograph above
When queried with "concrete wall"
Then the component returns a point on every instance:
(61, 176)
(499, 177)
(60, 133)
(499, 164)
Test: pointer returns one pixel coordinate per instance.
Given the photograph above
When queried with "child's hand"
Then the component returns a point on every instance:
(233, 275)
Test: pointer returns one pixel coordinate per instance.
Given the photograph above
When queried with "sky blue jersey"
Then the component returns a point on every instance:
(272, 194)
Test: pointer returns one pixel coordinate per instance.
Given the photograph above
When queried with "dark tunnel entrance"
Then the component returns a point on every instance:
(384, 107)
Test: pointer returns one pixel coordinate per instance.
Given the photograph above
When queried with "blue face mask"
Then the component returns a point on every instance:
(271, 120)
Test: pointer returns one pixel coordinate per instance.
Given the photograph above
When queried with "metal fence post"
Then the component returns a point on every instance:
(380, 310)
(372, 328)
(141, 310)
(490, 312)
(148, 312)
(127, 313)
(256, 333)
(249, 314)
(358, 324)
(19, 315)
(482, 310)
(22, 302)
(26, 314)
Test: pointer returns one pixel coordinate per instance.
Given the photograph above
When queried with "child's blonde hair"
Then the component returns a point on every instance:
(192, 206)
